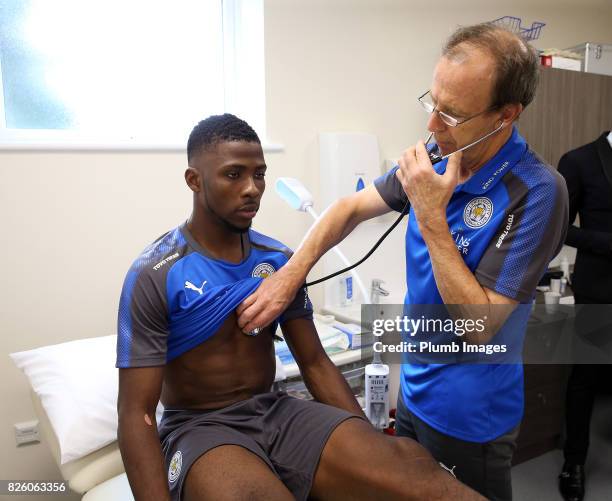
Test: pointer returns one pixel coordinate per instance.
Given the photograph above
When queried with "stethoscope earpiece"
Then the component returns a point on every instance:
(435, 158)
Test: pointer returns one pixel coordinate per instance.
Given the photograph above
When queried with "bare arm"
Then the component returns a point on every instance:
(139, 391)
(458, 285)
(276, 292)
(322, 377)
(429, 194)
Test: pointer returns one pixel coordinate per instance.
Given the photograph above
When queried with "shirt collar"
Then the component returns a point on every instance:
(491, 172)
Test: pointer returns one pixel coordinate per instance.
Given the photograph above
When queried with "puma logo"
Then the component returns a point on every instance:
(450, 470)
(199, 290)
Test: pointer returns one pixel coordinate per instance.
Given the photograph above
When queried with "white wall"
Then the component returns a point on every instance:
(73, 222)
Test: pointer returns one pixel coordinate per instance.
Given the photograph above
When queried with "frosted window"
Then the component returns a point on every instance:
(112, 69)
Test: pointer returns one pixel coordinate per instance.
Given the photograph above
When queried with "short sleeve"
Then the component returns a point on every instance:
(142, 327)
(300, 307)
(530, 235)
(391, 191)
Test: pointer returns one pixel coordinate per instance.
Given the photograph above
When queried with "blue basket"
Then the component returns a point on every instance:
(513, 24)
(532, 33)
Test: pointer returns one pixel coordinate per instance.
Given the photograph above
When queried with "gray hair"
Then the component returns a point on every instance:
(516, 61)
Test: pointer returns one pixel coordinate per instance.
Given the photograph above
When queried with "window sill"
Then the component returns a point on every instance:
(111, 148)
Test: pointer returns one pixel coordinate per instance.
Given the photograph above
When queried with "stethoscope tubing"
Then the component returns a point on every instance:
(434, 160)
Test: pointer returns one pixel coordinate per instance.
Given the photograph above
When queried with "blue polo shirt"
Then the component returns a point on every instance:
(176, 295)
(508, 221)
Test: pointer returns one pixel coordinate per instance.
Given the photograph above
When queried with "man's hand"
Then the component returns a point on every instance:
(428, 191)
(271, 298)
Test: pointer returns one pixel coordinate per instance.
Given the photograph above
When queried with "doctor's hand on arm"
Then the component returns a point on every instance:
(339, 220)
(139, 391)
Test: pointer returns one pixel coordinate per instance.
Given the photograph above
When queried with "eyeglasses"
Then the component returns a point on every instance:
(429, 106)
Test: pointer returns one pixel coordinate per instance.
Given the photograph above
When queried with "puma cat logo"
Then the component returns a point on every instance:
(199, 290)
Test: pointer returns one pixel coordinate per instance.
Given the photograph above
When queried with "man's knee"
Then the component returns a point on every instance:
(413, 455)
(231, 472)
(426, 477)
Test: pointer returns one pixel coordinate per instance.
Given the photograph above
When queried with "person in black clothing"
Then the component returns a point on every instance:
(588, 173)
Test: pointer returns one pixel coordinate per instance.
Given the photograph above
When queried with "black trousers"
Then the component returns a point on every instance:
(485, 467)
(580, 395)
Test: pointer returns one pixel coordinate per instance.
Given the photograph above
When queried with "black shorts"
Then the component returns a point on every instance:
(287, 433)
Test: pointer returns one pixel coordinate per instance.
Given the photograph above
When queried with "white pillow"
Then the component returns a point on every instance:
(77, 384)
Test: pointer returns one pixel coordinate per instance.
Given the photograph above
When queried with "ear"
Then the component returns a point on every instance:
(511, 112)
(193, 179)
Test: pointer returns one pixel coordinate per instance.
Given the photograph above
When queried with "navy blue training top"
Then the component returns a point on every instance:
(176, 296)
(508, 221)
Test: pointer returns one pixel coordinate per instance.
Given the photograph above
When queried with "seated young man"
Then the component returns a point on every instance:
(223, 434)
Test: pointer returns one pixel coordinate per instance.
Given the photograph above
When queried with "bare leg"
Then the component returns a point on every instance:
(360, 463)
(231, 472)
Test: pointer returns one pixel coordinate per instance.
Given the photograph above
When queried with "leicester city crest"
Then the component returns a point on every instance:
(263, 270)
(478, 212)
(175, 466)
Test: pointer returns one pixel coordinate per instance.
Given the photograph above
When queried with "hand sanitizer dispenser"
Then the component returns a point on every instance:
(348, 162)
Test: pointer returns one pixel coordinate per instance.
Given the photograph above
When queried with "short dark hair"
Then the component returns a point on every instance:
(218, 128)
(517, 64)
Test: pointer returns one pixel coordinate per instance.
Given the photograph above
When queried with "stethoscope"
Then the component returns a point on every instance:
(435, 158)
